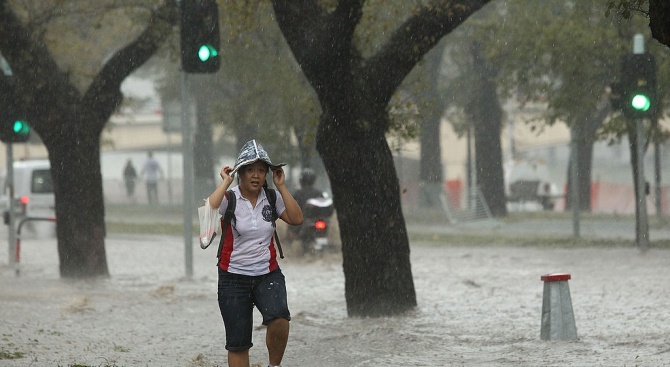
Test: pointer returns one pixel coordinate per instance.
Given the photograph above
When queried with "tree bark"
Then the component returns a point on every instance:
(486, 116)
(587, 128)
(80, 209)
(354, 92)
(584, 163)
(431, 154)
(659, 13)
(375, 246)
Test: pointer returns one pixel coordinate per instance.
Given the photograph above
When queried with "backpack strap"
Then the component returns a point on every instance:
(272, 199)
(228, 217)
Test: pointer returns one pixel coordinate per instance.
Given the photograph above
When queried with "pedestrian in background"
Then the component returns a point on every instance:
(129, 177)
(152, 171)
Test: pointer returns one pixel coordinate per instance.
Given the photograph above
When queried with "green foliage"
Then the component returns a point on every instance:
(77, 32)
(555, 57)
(259, 87)
(5, 354)
(626, 8)
(380, 19)
(558, 53)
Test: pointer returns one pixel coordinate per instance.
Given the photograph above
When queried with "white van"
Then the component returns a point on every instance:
(33, 190)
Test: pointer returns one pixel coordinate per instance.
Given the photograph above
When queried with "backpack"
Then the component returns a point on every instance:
(229, 216)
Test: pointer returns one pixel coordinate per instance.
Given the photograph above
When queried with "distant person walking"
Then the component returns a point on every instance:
(152, 171)
(130, 177)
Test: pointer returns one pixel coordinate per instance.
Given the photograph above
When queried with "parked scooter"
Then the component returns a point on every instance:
(314, 231)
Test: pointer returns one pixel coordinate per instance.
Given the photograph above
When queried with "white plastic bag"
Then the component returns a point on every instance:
(209, 222)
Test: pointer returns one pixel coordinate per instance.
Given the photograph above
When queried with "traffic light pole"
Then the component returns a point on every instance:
(642, 227)
(187, 154)
(574, 180)
(11, 234)
(639, 73)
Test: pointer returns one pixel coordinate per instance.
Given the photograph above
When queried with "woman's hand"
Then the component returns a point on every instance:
(225, 174)
(278, 177)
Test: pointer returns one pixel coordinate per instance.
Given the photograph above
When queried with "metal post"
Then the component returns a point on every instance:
(642, 227)
(642, 235)
(187, 154)
(469, 171)
(169, 169)
(574, 180)
(657, 181)
(11, 234)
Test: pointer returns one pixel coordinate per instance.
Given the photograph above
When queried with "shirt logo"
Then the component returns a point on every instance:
(268, 214)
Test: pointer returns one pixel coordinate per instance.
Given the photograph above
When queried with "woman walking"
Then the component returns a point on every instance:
(249, 274)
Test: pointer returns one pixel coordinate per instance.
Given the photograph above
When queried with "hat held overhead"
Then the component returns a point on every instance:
(250, 153)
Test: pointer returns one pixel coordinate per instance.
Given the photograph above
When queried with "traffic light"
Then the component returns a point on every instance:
(14, 130)
(13, 125)
(200, 36)
(638, 86)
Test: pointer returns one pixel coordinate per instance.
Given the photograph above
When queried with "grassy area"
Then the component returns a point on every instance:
(5, 354)
(168, 220)
(142, 210)
(169, 229)
(145, 219)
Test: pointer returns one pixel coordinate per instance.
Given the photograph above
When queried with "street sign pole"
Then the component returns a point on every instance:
(187, 154)
(574, 180)
(11, 234)
(642, 234)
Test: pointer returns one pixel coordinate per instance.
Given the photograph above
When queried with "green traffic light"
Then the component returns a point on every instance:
(21, 127)
(640, 102)
(206, 52)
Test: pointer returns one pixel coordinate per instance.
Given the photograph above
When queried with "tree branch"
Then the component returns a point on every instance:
(321, 42)
(32, 63)
(415, 38)
(301, 21)
(347, 16)
(659, 20)
(107, 84)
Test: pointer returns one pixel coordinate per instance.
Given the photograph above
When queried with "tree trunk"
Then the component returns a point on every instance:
(584, 165)
(586, 131)
(375, 246)
(659, 13)
(486, 115)
(354, 92)
(70, 124)
(80, 209)
(431, 156)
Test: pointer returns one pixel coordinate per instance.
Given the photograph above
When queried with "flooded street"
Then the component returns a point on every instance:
(478, 306)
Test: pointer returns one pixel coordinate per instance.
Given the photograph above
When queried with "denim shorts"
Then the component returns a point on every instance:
(238, 294)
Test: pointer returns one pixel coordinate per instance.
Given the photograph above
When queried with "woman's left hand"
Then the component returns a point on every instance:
(278, 177)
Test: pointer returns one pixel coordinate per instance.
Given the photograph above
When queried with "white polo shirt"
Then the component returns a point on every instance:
(249, 247)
